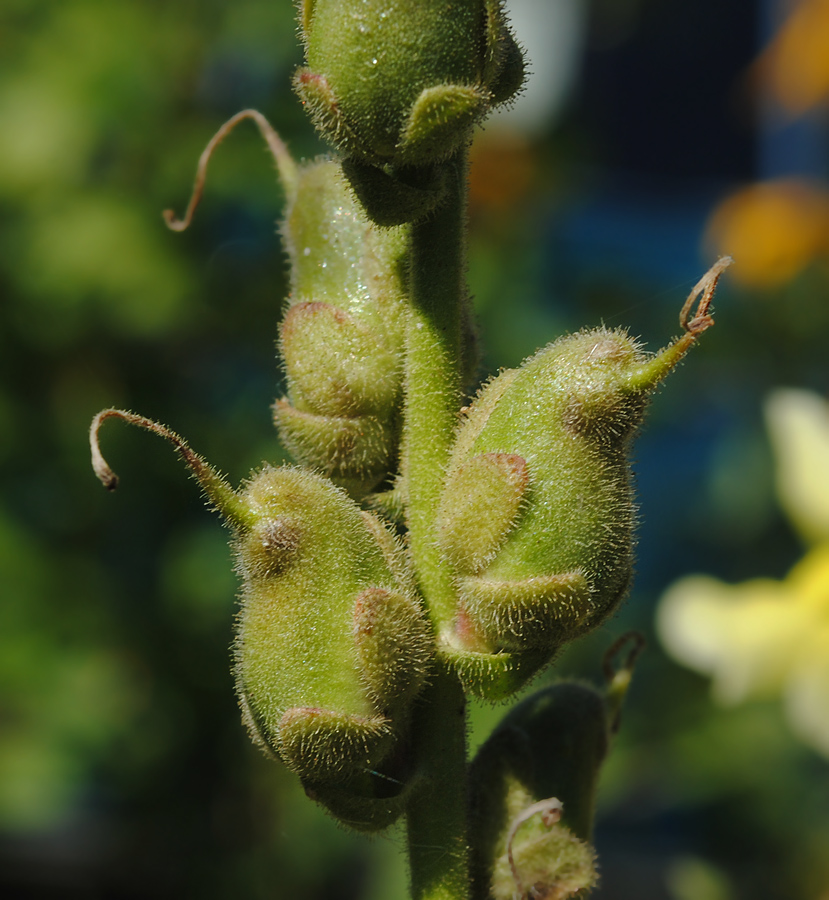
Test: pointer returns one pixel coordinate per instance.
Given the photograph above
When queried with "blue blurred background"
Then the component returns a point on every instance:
(633, 160)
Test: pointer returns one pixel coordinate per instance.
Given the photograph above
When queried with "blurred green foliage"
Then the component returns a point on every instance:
(124, 770)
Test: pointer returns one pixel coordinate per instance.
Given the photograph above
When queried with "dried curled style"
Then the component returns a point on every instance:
(705, 287)
(550, 811)
(285, 165)
(215, 486)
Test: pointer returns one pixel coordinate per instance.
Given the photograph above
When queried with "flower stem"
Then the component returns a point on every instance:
(436, 813)
(433, 380)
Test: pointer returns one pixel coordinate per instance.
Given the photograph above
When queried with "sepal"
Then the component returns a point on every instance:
(356, 453)
(479, 507)
(492, 676)
(539, 613)
(364, 803)
(321, 745)
(510, 71)
(394, 645)
(336, 366)
(395, 195)
(439, 121)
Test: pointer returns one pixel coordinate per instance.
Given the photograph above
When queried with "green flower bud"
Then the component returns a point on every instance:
(321, 609)
(532, 789)
(401, 84)
(342, 336)
(331, 645)
(533, 786)
(537, 515)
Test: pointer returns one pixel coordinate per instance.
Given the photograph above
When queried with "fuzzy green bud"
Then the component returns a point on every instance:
(342, 336)
(332, 644)
(397, 86)
(401, 82)
(532, 789)
(537, 515)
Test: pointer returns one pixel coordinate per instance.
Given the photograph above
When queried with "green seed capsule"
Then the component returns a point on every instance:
(342, 337)
(320, 609)
(537, 514)
(332, 645)
(400, 82)
(533, 787)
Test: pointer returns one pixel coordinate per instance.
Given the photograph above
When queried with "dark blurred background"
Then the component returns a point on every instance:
(633, 160)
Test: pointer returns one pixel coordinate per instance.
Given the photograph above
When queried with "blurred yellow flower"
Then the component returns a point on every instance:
(768, 638)
(773, 228)
(795, 65)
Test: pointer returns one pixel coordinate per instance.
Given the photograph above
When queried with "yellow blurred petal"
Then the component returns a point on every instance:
(796, 63)
(743, 636)
(691, 622)
(809, 581)
(807, 694)
(798, 423)
(773, 230)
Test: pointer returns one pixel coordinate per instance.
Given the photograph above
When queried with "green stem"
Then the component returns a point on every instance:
(436, 813)
(433, 380)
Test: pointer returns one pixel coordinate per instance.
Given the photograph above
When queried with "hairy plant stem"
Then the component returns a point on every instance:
(436, 814)
(433, 380)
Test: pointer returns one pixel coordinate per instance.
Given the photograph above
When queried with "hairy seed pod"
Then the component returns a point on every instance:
(327, 629)
(537, 514)
(342, 337)
(533, 785)
(400, 82)
(332, 644)
(544, 758)
(397, 86)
